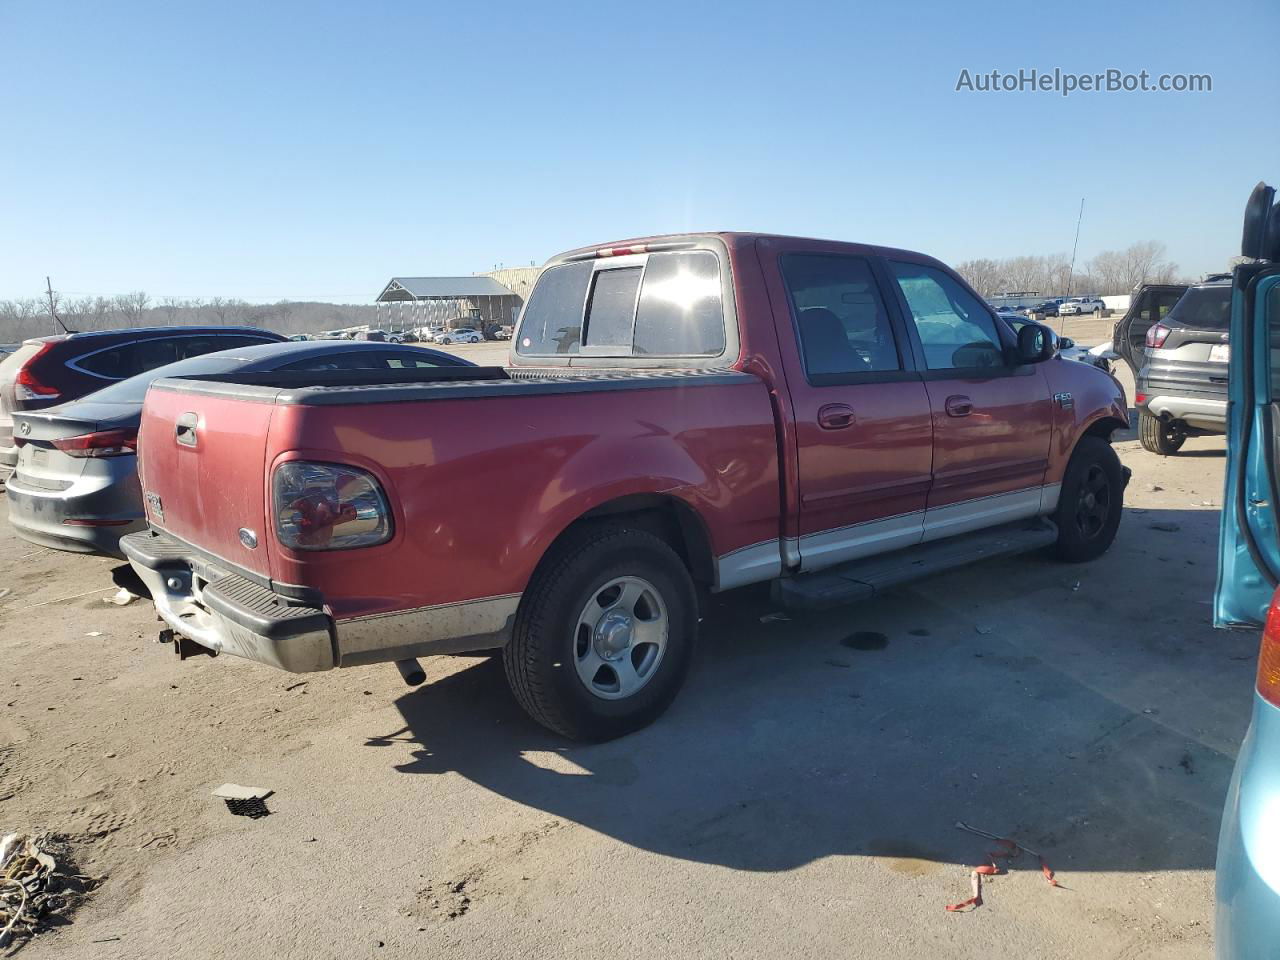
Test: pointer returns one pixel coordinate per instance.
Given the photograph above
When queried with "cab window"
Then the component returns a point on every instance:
(956, 330)
(840, 317)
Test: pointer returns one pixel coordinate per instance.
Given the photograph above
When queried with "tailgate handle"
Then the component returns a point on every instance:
(185, 430)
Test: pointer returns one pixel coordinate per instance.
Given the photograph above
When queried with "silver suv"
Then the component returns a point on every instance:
(1182, 385)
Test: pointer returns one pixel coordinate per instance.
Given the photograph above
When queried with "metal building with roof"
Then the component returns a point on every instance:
(478, 301)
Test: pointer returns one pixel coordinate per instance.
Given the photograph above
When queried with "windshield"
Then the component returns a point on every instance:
(134, 390)
(1202, 308)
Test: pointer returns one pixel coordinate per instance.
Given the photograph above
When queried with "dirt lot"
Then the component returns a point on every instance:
(800, 792)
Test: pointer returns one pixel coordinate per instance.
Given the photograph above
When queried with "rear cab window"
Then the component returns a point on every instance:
(667, 304)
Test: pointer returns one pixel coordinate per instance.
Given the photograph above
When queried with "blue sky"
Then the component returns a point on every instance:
(312, 150)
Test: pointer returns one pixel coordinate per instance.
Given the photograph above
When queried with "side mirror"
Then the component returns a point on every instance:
(1065, 343)
(1035, 343)
(1255, 243)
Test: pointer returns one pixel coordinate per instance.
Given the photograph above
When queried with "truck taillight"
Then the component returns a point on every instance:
(1157, 335)
(1269, 655)
(104, 443)
(326, 506)
(27, 386)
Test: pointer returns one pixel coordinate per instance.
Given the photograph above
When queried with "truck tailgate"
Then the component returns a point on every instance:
(200, 460)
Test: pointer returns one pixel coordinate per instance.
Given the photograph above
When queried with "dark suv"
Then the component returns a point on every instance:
(52, 370)
(1181, 387)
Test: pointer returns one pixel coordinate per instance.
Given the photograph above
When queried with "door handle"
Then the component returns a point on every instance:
(959, 406)
(836, 416)
(185, 429)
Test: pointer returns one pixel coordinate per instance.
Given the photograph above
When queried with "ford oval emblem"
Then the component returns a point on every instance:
(24, 428)
(248, 538)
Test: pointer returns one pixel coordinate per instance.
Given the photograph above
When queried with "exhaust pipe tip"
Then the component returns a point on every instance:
(412, 672)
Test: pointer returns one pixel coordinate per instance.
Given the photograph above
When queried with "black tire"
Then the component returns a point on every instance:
(1164, 437)
(541, 657)
(1091, 501)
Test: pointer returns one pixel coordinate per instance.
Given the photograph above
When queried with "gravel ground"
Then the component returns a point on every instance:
(800, 791)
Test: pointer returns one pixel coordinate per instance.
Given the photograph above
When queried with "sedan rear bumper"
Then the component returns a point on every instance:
(88, 516)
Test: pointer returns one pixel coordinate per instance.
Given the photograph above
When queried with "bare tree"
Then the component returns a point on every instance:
(170, 306)
(983, 275)
(131, 306)
(1123, 271)
(220, 307)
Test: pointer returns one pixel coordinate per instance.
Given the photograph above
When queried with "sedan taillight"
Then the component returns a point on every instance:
(1157, 335)
(326, 506)
(104, 443)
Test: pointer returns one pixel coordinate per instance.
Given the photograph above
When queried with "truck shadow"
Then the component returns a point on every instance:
(1064, 705)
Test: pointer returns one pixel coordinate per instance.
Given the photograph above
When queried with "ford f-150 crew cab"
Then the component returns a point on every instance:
(679, 415)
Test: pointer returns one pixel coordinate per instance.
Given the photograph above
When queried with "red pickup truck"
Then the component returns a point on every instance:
(679, 415)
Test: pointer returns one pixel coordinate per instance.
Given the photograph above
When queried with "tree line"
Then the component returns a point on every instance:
(34, 316)
(1110, 272)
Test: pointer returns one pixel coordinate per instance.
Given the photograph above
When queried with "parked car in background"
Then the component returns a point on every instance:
(372, 336)
(51, 370)
(461, 335)
(302, 336)
(503, 333)
(1046, 308)
(572, 507)
(1078, 305)
(1247, 925)
(76, 483)
(1181, 388)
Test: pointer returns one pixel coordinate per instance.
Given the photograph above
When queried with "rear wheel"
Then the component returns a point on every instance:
(1164, 437)
(1091, 501)
(605, 633)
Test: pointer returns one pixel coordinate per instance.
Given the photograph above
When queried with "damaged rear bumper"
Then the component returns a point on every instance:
(228, 613)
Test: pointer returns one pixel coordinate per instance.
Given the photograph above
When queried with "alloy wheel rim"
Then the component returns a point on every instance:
(620, 637)
(1094, 503)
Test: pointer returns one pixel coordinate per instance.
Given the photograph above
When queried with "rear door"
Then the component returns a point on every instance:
(863, 426)
(1151, 305)
(992, 418)
(1249, 547)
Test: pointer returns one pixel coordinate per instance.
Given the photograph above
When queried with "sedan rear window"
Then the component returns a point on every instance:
(1202, 308)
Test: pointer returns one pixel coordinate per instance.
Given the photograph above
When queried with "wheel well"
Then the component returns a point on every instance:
(666, 517)
(1103, 427)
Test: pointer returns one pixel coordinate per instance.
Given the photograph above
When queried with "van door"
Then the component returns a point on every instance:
(862, 420)
(1249, 548)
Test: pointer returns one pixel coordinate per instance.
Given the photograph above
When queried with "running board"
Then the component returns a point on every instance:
(863, 579)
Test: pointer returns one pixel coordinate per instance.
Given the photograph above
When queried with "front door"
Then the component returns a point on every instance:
(992, 418)
(863, 425)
